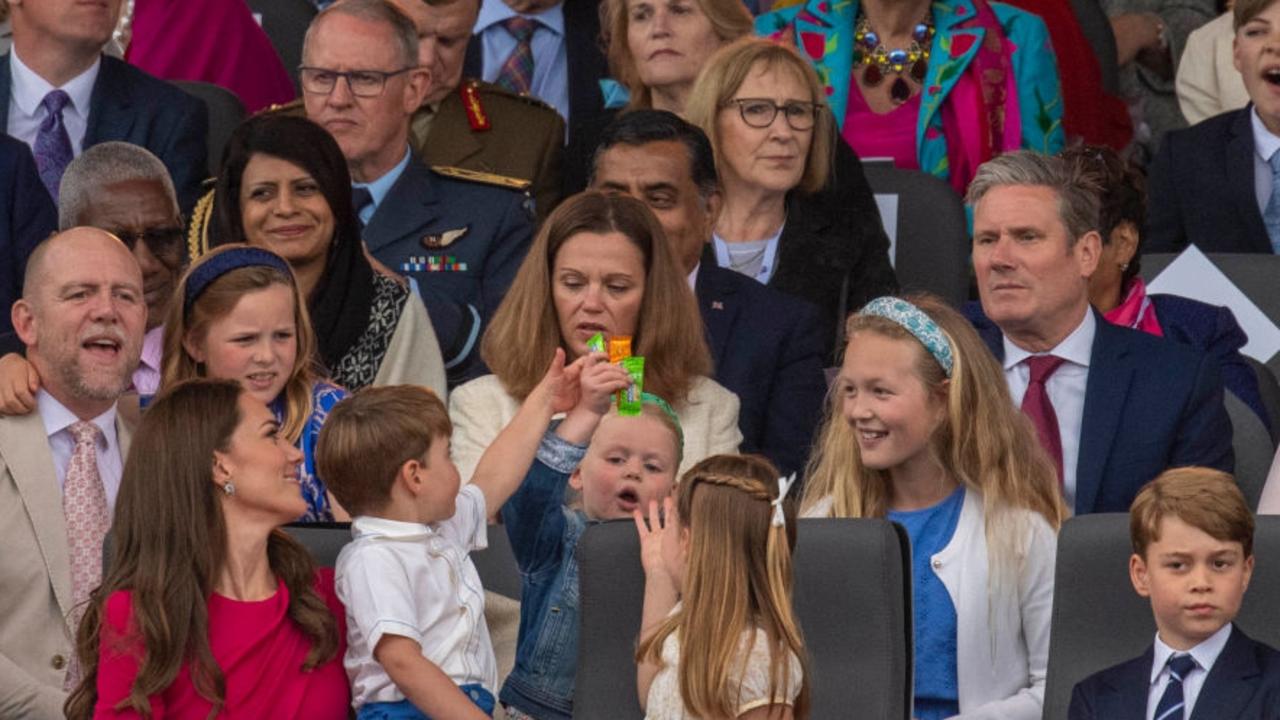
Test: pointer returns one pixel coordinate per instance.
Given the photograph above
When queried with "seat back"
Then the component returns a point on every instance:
(225, 113)
(1099, 621)
(1269, 389)
(931, 242)
(285, 22)
(1251, 443)
(852, 596)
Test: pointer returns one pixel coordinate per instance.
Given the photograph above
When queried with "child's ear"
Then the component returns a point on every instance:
(409, 477)
(575, 480)
(1248, 571)
(1138, 575)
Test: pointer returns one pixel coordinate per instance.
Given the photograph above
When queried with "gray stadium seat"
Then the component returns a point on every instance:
(1098, 620)
(1251, 443)
(932, 250)
(225, 113)
(1269, 389)
(285, 23)
(852, 595)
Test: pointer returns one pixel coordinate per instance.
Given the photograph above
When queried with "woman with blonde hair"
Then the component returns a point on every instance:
(599, 264)
(731, 646)
(238, 314)
(764, 111)
(921, 430)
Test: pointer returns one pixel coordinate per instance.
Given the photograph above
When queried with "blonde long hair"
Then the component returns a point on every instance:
(985, 442)
(218, 300)
(738, 577)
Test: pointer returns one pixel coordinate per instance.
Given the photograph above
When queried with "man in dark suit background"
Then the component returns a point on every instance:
(1214, 184)
(60, 94)
(766, 345)
(1113, 406)
(458, 236)
(27, 216)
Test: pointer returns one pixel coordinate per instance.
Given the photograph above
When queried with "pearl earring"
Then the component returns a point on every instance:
(229, 489)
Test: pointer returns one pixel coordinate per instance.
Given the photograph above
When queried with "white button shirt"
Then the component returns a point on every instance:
(28, 91)
(58, 420)
(416, 581)
(1205, 655)
(1066, 388)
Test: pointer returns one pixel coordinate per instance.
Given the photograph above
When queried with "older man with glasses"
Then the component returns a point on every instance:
(458, 235)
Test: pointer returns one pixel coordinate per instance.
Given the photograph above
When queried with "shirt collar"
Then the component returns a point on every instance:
(57, 417)
(153, 348)
(1265, 144)
(493, 12)
(1205, 654)
(29, 88)
(376, 527)
(1075, 348)
(379, 188)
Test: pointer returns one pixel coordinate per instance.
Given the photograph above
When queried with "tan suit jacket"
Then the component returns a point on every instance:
(524, 140)
(36, 641)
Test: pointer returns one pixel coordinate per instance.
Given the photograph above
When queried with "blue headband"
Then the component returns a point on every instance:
(217, 265)
(671, 414)
(915, 321)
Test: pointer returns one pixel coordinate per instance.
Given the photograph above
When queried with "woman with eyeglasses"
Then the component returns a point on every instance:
(762, 107)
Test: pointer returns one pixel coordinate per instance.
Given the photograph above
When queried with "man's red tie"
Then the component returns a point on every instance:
(1037, 406)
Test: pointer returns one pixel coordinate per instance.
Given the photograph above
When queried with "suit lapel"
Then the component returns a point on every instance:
(450, 140)
(718, 305)
(6, 89)
(1125, 694)
(109, 105)
(1104, 398)
(405, 210)
(1232, 681)
(25, 448)
(1239, 160)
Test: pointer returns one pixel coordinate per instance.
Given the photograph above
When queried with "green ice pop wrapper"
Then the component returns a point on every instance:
(596, 343)
(629, 402)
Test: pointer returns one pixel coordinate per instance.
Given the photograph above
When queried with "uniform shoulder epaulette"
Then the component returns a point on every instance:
(484, 178)
(293, 107)
(490, 88)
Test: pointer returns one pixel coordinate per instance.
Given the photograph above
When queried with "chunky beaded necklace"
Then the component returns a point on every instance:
(878, 60)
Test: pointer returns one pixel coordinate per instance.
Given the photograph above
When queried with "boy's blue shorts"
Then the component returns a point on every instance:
(405, 710)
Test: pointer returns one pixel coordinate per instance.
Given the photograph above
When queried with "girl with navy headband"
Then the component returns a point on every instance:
(920, 429)
(238, 315)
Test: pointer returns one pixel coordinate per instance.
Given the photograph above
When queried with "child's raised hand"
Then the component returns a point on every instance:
(559, 385)
(18, 385)
(651, 535)
(599, 381)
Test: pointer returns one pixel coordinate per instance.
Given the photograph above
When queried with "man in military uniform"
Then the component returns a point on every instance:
(458, 235)
(477, 125)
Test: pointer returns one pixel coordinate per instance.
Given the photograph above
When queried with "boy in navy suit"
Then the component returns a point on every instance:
(1192, 538)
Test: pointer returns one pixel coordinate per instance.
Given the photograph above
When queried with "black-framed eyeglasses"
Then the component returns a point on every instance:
(159, 240)
(363, 83)
(760, 112)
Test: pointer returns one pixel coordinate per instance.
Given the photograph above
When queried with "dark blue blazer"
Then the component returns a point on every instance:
(1244, 684)
(767, 350)
(27, 216)
(1200, 189)
(498, 225)
(1213, 330)
(1150, 404)
(129, 105)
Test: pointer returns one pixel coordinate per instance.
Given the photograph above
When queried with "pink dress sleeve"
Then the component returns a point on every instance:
(119, 658)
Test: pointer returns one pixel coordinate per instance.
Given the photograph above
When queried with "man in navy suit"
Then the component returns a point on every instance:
(1211, 184)
(1113, 406)
(27, 216)
(57, 78)
(459, 236)
(766, 345)
(1193, 557)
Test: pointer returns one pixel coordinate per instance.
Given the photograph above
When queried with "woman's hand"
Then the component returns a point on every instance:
(600, 380)
(18, 385)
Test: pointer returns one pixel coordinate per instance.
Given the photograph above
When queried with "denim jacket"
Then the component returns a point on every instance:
(544, 537)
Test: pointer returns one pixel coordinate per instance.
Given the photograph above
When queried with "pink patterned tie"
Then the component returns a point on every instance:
(84, 505)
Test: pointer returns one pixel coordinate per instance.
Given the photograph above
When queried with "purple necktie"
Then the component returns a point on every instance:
(53, 144)
(516, 74)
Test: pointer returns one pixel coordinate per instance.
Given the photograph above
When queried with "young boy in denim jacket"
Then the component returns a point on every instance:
(1192, 536)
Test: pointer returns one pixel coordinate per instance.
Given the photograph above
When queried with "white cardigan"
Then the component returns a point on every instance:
(1002, 648)
(481, 408)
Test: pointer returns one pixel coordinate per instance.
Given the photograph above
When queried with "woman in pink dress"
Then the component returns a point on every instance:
(207, 607)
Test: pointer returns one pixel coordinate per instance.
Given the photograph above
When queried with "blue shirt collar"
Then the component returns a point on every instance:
(379, 188)
(493, 12)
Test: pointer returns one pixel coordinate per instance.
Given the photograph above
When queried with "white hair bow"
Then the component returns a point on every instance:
(784, 486)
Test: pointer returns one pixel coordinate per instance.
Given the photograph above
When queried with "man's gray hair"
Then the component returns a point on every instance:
(379, 11)
(106, 164)
(1078, 195)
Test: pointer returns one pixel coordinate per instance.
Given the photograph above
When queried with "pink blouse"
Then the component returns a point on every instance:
(875, 135)
(259, 650)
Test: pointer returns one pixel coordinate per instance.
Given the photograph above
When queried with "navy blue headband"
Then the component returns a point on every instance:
(220, 264)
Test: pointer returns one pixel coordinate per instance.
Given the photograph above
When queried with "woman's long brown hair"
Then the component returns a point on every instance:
(169, 544)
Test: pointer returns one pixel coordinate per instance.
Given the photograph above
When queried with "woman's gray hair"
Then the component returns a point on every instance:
(1078, 204)
(106, 164)
(380, 11)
